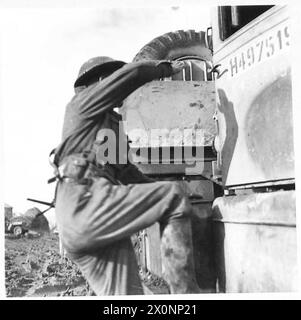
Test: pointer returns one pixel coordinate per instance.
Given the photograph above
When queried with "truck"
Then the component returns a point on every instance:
(27, 222)
(17, 226)
(223, 128)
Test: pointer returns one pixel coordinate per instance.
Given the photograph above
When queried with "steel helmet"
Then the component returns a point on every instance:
(96, 66)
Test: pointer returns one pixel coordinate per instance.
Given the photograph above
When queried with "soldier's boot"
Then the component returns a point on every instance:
(177, 257)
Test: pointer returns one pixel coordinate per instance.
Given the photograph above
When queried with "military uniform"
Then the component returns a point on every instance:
(99, 206)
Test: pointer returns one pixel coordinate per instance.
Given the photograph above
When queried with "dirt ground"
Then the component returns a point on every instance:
(34, 268)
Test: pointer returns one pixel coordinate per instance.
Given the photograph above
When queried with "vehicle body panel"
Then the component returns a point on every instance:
(256, 242)
(254, 104)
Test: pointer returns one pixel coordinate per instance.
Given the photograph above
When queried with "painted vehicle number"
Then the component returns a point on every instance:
(260, 50)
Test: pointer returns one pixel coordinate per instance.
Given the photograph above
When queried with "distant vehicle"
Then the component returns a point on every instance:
(22, 224)
(17, 226)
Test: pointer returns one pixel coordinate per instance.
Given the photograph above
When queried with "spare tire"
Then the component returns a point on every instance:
(174, 45)
(178, 45)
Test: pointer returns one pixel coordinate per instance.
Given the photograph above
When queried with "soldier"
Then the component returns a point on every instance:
(100, 205)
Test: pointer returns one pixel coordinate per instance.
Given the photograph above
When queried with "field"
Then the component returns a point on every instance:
(34, 268)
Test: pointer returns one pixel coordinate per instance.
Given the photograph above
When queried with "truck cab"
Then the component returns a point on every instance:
(254, 105)
(255, 221)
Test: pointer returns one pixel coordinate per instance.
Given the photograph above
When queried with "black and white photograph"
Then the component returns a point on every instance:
(148, 149)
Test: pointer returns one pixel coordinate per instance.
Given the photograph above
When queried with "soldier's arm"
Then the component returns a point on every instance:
(111, 91)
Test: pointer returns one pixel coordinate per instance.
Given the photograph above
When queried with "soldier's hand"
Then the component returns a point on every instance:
(177, 66)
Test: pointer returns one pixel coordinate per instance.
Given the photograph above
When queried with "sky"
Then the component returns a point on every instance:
(41, 52)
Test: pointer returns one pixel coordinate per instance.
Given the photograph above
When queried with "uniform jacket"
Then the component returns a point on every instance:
(91, 110)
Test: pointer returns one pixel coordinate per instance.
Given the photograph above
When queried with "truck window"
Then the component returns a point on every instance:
(233, 18)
